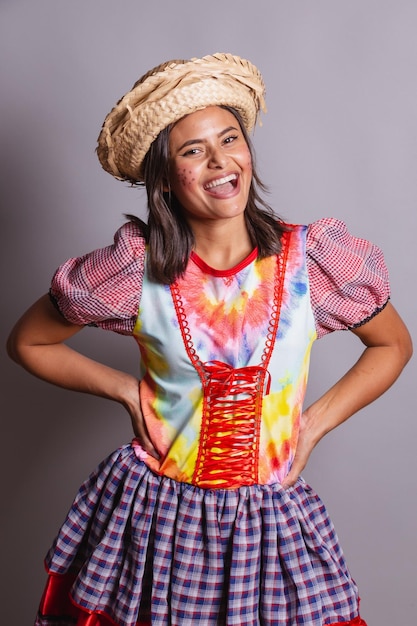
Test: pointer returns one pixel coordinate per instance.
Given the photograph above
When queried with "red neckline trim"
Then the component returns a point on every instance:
(224, 273)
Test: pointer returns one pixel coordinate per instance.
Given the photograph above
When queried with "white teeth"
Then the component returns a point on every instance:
(221, 181)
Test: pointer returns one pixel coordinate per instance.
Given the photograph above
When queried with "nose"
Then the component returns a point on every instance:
(217, 158)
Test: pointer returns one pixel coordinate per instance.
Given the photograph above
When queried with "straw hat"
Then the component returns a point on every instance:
(166, 94)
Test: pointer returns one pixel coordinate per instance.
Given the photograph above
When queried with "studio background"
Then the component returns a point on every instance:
(339, 139)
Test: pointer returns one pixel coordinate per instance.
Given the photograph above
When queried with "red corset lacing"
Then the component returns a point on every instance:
(229, 438)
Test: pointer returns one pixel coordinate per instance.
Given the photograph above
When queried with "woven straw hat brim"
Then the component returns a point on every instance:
(168, 93)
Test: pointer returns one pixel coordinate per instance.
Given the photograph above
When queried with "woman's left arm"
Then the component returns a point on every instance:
(388, 349)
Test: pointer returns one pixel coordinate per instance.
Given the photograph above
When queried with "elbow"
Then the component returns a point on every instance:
(404, 349)
(16, 346)
(12, 349)
(400, 339)
(407, 350)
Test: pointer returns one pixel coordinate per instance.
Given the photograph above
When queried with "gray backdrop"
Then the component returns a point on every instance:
(340, 138)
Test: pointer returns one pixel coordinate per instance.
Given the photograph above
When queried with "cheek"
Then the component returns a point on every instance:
(184, 178)
(249, 161)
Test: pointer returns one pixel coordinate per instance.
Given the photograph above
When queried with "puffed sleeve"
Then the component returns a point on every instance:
(349, 281)
(103, 288)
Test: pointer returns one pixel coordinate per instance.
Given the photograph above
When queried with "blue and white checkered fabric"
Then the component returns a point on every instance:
(152, 548)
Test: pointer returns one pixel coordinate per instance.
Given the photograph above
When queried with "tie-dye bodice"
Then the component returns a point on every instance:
(224, 355)
(226, 359)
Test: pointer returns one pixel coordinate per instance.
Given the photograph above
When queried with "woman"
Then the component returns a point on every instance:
(204, 517)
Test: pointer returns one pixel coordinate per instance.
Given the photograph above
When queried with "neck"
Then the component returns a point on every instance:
(222, 246)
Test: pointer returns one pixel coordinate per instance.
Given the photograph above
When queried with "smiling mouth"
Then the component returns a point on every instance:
(231, 179)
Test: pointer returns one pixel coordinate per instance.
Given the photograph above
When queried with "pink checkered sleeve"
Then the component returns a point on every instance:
(349, 281)
(103, 288)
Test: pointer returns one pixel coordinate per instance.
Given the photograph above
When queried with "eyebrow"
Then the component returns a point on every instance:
(190, 142)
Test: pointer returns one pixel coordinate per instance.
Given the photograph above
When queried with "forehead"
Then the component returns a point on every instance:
(208, 120)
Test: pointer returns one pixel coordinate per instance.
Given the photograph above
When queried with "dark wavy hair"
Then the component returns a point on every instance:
(167, 232)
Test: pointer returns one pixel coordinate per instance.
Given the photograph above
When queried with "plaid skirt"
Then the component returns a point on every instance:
(137, 547)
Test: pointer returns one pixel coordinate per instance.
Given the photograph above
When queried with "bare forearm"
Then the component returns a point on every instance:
(60, 365)
(375, 371)
(37, 343)
(388, 350)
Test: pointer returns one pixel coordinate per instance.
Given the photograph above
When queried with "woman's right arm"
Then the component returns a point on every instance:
(37, 343)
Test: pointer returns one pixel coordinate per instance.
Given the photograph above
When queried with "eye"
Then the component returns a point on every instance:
(191, 152)
(230, 139)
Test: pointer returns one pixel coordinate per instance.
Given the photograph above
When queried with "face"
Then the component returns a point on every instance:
(210, 165)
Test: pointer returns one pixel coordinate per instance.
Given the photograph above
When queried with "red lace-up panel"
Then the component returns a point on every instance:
(229, 439)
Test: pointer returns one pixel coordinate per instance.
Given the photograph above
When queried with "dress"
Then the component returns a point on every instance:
(206, 533)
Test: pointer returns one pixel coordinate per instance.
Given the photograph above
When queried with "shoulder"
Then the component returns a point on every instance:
(329, 229)
(104, 284)
(348, 276)
(294, 232)
(332, 246)
(130, 238)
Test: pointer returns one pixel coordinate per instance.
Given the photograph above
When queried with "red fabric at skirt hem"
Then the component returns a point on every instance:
(56, 601)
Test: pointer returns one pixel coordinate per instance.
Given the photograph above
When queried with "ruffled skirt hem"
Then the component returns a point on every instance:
(140, 548)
